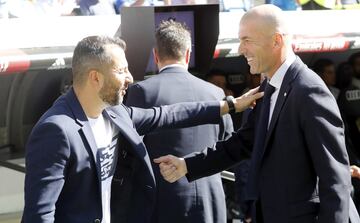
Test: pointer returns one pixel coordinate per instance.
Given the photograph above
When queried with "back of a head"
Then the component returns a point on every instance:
(321, 64)
(172, 39)
(353, 58)
(344, 74)
(90, 53)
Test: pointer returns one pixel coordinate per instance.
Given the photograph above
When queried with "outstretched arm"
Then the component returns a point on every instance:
(187, 114)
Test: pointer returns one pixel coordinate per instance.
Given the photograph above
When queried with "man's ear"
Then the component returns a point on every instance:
(156, 58)
(278, 40)
(187, 56)
(96, 79)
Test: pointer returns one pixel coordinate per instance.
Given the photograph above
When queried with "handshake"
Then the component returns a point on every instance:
(173, 168)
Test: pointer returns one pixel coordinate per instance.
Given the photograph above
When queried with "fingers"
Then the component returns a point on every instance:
(171, 168)
(253, 91)
(258, 95)
(169, 172)
(355, 171)
(163, 159)
(248, 99)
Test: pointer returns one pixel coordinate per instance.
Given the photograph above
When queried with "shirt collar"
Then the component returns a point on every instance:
(279, 75)
(172, 65)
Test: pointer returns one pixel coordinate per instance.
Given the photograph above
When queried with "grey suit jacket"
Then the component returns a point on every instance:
(202, 200)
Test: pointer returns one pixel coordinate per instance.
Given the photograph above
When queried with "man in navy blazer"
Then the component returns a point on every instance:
(299, 169)
(203, 200)
(85, 160)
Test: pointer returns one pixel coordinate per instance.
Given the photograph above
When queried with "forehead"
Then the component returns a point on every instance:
(247, 28)
(118, 56)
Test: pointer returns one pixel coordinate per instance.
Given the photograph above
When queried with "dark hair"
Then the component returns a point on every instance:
(320, 64)
(90, 53)
(344, 74)
(353, 57)
(172, 39)
(214, 72)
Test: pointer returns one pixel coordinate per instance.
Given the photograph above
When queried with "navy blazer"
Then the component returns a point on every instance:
(62, 182)
(201, 201)
(303, 173)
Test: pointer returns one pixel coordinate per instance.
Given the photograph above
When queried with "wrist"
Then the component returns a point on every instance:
(231, 105)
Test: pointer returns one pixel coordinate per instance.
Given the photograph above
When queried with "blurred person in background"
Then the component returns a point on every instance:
(218, 78)
(286, 5)
(349, 105)
(318, 4)
(325, 68)
(96, 7)
(354, 61)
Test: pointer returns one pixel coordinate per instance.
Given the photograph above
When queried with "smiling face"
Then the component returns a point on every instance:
(116, 78)
(265, 40)
(257, 46)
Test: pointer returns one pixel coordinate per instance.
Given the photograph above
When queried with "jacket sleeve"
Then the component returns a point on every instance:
(179, 115)
(47, 154)
(324, 135)
(135, 96)
(224, 154)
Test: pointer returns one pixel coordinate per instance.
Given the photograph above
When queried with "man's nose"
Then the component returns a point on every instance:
(129, 78)
(240, 49)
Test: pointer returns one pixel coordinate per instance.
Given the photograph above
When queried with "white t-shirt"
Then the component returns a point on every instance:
(106, 137)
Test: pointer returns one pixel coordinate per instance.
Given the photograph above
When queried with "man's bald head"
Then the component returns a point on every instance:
(264, 39)
(268, 18)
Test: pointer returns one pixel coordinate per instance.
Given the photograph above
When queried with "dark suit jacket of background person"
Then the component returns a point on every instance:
(202, 200)
(304, 170)
(62, 182)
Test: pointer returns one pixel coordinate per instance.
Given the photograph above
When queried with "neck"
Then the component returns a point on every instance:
(284, 54)
(165, 63)
(89, 101)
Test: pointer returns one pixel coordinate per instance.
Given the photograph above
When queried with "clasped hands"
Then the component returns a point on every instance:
(173, 168)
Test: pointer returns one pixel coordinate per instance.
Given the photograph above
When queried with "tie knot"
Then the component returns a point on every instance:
(269, 89)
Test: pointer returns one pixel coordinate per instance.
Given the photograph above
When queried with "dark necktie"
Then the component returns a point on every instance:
(265, 112)
(264, 120)
(260, 136)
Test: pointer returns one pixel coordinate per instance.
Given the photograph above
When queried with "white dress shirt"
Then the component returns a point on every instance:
(277, 80)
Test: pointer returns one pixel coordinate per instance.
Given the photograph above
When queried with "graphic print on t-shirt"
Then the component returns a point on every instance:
(107, 157)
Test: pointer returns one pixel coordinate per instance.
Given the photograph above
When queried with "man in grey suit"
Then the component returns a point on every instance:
(299, 170)
(200, 201)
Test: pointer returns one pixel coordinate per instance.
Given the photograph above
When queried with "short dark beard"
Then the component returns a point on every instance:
(110, 94)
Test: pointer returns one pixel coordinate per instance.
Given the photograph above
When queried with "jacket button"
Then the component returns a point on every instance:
(97, 221)
(121, 181)
(124, 153)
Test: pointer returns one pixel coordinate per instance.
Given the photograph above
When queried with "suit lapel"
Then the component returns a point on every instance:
(124, 124)
(85, 130)
(284, 92)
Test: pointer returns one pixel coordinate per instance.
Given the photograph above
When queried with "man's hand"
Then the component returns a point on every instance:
(355, 171)
(248, 99)
(172, 168)
(243, 102)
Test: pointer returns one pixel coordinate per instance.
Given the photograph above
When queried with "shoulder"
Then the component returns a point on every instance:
(57, 118)
(308, 81)
(209, 88)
